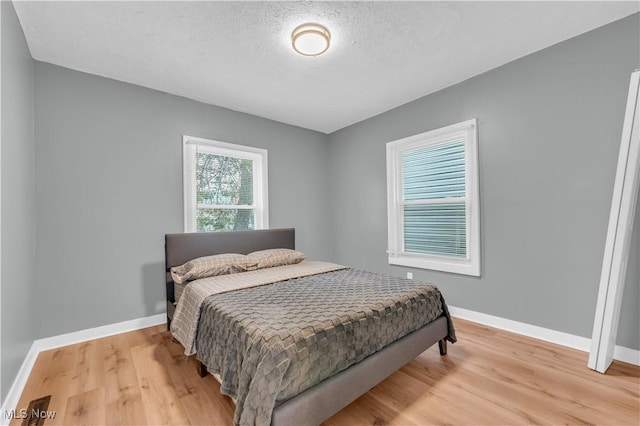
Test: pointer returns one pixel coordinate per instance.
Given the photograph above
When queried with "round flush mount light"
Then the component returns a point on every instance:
(310, 39)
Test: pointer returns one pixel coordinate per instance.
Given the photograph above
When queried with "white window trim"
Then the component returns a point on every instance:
(260, 176)
(471, 264)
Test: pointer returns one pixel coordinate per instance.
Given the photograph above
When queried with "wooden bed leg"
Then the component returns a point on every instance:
(442, 345)
(203, 370)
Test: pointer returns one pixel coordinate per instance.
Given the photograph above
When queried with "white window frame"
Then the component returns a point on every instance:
(397, 256)
(260, 184)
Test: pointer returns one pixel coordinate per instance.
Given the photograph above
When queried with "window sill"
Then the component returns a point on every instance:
(464, 267)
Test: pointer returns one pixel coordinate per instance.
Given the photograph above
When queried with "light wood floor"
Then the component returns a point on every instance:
(489, 377)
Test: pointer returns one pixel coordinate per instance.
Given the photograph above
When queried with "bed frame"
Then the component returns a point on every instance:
(320, 402)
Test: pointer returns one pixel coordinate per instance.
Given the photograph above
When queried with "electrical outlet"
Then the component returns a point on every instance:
(410, 275)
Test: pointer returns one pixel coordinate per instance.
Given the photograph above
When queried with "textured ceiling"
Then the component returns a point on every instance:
(238, 55)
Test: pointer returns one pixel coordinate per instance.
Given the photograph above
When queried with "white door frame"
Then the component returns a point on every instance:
(619, 235)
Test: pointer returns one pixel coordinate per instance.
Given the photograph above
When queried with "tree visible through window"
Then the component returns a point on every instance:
(225, 186)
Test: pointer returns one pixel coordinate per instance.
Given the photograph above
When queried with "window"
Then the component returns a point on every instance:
(432, 200)
(225, 186)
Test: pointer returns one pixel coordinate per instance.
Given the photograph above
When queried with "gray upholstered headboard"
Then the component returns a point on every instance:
(181, 248)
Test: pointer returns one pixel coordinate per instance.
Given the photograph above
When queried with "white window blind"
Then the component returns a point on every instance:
(433, 200)
(225, 186)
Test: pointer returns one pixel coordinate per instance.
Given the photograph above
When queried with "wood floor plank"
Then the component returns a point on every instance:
(118, 368)
(87, 408)
(122, 390)
(489, 377)
(162, 404)
(88, 373)
(203, 405)
(185, 380)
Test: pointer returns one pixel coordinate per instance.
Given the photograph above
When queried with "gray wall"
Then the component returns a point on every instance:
(549, 132)
(109, 186)
(18, 201)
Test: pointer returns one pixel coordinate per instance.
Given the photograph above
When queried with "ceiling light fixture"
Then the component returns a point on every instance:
(310, 39)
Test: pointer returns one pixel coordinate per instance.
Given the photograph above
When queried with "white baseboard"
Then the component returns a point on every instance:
(15, 391)
(628, 355)
(99, 332)
(39, 345)
(621, 353)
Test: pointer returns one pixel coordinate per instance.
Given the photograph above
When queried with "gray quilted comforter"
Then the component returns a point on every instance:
(273, 342)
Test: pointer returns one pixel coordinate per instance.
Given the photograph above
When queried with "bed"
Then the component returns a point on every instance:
(330, 394)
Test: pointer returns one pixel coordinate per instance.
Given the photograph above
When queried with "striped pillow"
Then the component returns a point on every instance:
(275, 257)
(210, 266)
